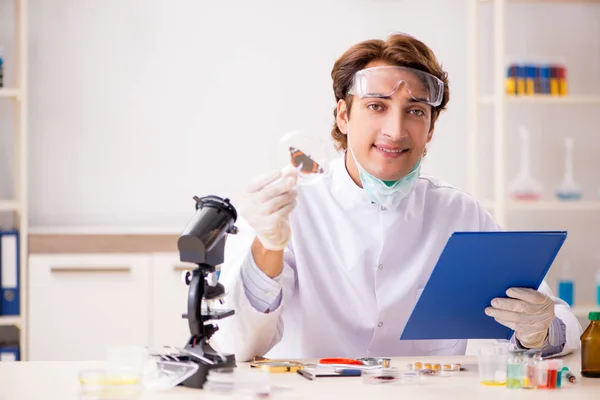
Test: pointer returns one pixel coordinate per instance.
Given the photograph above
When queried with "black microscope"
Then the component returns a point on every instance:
(203, 243)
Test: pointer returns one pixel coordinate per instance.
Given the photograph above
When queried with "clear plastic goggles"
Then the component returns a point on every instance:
(384, 81)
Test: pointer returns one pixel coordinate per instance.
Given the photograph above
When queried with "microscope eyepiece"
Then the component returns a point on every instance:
(213, 220)
(217, 202)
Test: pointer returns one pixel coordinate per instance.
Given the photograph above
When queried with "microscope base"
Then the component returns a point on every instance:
(205, 354)
(197, 380)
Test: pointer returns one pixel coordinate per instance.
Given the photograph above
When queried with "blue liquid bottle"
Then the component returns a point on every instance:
(1, 68)
(566, 286)
(598, 287)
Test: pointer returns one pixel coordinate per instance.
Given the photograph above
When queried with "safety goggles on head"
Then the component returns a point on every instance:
(386, 80)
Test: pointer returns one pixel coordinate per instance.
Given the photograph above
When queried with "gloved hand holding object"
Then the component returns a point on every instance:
(266, 205)
(528, 312)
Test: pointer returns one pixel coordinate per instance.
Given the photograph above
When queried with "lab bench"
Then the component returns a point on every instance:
(60, 380)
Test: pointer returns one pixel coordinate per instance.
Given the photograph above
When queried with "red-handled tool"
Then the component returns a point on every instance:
(347, 361)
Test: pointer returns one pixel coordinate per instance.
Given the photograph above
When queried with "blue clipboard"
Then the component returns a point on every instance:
(474, 268)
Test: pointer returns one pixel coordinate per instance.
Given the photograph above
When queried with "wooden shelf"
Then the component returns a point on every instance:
(554, 205)
(546, 205)
(544, 1)
(10, 93)
(542, 99)
(10, 320)
(9, 205)
(584, 310)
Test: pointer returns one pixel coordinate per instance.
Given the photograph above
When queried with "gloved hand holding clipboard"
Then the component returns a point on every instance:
(473, 269)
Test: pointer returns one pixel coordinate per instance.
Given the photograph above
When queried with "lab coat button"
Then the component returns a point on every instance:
(380, 266)
(383, 208)
(380, 324)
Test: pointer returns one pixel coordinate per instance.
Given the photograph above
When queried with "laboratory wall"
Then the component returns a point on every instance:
(136, 106)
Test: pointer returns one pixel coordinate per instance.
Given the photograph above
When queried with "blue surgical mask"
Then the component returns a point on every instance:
(388, 194)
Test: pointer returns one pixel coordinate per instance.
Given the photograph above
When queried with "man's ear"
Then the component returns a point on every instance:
(430, 135)
(341, 116)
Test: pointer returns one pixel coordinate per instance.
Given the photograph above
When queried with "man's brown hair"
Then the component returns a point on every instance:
(399, 49)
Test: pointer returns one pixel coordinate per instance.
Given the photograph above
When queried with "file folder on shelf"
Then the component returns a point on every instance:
(9, 353)
(9, 273)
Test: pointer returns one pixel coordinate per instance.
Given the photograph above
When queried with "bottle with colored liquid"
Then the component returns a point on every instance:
(590, 347)
(562, 80)
(568, 189)
(566, 286)
(544, 79)
(530, 72)
(598, 287)
(1, 68)
(511, 80)
(554, 81)
(521, 80)
(524, 187)
(516, 369)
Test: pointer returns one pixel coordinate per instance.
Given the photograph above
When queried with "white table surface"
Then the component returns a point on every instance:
(59, 380)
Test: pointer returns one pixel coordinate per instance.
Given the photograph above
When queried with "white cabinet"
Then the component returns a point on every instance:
(81, 304)
(169, 301)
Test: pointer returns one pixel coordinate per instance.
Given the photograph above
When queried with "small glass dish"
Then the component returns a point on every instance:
(391, 376)
(165, 375)
(234, 380)
(98, 384)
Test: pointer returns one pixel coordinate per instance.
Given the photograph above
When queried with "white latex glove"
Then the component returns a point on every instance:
(529, 313)
(266, 205)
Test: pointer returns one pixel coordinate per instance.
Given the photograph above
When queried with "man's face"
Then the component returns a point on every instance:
(386, 135)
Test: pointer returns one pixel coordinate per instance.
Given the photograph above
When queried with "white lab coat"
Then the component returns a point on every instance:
(353, 273)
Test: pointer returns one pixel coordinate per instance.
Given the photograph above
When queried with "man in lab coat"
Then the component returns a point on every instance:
(335, 268)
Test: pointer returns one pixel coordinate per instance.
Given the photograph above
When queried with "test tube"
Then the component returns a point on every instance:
(553, 369)
(1, 68)
(558, 366)
(554, 85)
(530, 379)
(562, 80)
(542, 375)
(515, 369)
(521, 77)
(598, 287)
(511, 80)
(530, 79)
(544, 79)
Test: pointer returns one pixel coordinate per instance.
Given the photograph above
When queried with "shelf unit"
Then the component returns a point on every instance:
(549, 205)
(19, 205)
(582, 311)
(540, 99)
(10, 321)
(11, 93)
(500, 205)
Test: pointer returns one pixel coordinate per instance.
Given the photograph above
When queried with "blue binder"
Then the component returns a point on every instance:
(10, 353)
(474, 268)
(9, 273)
